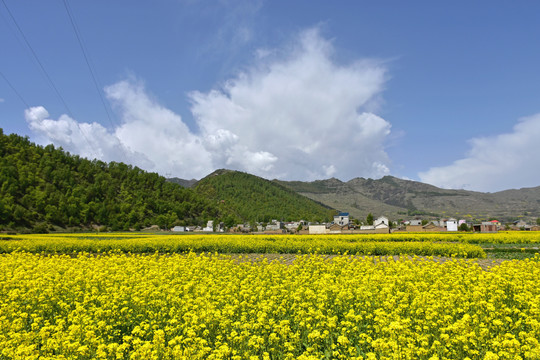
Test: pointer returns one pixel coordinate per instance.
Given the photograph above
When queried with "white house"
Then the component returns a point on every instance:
(291, 225)
(178, 229)
(274, 226)
(451, 225)
(317, 229)
(381, 220)
(209, 226)
(341, 219)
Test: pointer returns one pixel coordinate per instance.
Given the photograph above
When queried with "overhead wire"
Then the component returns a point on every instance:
(86, 58)
(10, 85)
(14, 90)
(90, 68)
(47, 76)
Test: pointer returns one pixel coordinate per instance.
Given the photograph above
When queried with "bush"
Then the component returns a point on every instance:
(41, 229)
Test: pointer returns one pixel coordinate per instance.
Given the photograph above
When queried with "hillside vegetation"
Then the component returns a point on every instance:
(42, 188)
(252, 198)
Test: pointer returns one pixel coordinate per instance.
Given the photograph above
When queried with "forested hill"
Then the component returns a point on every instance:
(252, 198)
(42, 188)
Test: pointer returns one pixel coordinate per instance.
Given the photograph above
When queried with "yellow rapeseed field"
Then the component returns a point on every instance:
(210, 306)
(413, 244)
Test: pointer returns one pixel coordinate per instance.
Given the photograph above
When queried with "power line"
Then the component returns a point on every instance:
(51, 83)
(14, 90)
(90, 68)
(86, 58)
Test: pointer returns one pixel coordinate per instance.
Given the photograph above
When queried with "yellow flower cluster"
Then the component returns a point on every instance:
(174, 306)
(510, 237)
(283, 244)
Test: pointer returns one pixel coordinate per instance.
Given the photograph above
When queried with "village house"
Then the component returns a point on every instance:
(337, 229)
(497, 223)
(274, 226)
(519, 225)
(342, 219)
(414, 225)
(381, 220)
(451, 225)
(485, 227)
(209, 226)
(292, 226)
(317, 229)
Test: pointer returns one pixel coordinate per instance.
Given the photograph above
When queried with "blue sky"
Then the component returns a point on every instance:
(446, 93)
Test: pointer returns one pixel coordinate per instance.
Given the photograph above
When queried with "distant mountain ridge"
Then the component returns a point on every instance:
(402, 199)
(399, 198)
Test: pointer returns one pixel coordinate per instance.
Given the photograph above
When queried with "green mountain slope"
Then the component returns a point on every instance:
(252, 198)
(44, 186)
(398, 198)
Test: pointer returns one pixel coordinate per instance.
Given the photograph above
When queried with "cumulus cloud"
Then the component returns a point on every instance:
(495, 163)
(89, 140)
(304, 110)
(294, 114)
(149, 128)
(150, 136)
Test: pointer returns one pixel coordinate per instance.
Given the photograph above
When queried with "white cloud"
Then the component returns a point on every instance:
(495, 163)
(296, 115)
(160, 134)
(304, 110)
(89, 140)
(150, 136)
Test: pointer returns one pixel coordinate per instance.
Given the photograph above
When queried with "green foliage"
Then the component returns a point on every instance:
(369, 219)
(252, 198)
(464, 227)
(45, 186)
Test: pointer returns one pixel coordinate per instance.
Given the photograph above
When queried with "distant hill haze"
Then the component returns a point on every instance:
(398, 198)
(182, 182)
(403, 199)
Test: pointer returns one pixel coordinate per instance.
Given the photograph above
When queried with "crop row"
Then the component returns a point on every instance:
(214, 307)
(510, 237)
(235, 244)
